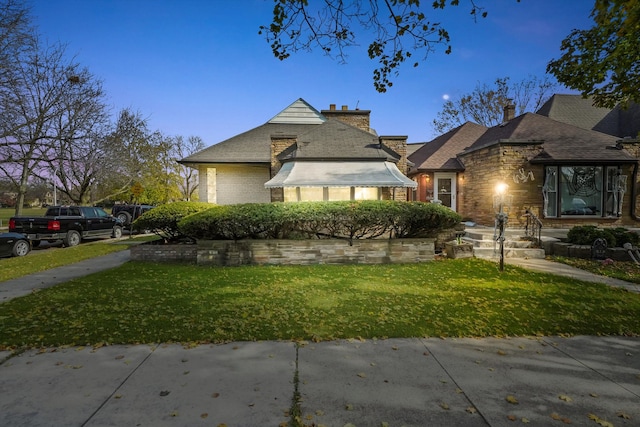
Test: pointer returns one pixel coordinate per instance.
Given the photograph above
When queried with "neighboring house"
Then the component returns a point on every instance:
(302, 154)
(565, 173)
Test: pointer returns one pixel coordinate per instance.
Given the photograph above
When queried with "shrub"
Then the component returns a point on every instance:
(163, 220)
(350, 220)
(587, 234)
(622, 236)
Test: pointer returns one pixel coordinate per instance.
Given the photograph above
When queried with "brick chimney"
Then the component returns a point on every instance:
(509, 111)
(358, 118)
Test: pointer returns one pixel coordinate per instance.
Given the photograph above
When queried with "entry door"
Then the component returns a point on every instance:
(445, 189)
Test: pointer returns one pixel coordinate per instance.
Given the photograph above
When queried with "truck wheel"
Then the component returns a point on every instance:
(72, 239)
(21, 248)
(117, 232)
(124, 217)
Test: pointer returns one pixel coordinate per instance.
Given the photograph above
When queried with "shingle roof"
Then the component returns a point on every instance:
(337, 140)
(561, 142)
(318, 137)
(440, 153)
(253, 146)
(578, 111)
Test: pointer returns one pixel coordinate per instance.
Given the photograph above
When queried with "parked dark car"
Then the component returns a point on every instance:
(70, 224)
(129, 213)
(14, 244)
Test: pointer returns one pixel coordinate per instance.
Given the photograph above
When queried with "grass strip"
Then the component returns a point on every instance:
(152, 303)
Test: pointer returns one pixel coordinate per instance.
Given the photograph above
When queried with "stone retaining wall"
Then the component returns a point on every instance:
(571, 250)
(290, 252)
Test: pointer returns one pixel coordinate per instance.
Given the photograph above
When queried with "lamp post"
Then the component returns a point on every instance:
(501, 201)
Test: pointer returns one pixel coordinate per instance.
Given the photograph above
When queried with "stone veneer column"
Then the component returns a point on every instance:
(279, 143)
(399, 145)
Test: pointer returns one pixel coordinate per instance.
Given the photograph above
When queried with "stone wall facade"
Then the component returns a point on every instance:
(508, 162)
(290, 252)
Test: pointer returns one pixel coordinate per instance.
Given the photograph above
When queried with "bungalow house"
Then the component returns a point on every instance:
(302, 154)
(569, 164)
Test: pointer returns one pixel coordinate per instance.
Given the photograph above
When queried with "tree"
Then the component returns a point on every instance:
(16, 35)
(604, 61)
(187, 176)
(397, 28)
(485, 105)
(41, 107)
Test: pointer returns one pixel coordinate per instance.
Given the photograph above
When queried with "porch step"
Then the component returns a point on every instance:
(515, 246)
(489, 253)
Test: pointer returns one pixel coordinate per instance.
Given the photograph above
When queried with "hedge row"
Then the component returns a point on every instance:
(587, 234)
(343, 220)
(163, 220)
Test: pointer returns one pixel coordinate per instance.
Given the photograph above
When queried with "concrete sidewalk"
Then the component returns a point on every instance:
(400, 382)
(25, 285)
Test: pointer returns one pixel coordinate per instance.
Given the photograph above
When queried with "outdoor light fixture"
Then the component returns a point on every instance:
(501, 205)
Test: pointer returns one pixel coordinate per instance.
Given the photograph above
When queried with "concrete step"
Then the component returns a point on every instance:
(489, 253)
(489, 243)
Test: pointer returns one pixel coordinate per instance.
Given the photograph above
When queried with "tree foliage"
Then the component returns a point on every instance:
(396, 30)
(604, 61)
(485, 105)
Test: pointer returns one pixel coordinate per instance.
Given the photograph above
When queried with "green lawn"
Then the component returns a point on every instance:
(149, 303)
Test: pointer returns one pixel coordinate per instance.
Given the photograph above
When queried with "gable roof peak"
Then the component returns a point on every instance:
(300, 112)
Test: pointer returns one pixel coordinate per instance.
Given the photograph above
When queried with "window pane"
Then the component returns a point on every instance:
(339, 193)
(366, 193)
(311, 194)
(290, 194)
(581, 190)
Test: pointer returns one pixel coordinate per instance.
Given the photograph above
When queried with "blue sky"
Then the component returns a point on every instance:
(199, 67)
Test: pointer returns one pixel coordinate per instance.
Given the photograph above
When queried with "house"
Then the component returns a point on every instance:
(568, 164)
(303, 154)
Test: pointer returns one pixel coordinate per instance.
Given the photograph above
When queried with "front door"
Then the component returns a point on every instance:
(445, 189)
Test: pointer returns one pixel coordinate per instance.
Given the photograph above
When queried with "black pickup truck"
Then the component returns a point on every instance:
(70, 224)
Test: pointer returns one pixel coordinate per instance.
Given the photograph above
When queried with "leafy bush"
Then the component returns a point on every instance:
(586, 234)
(350, 220)
(163, 220)
(622, 236)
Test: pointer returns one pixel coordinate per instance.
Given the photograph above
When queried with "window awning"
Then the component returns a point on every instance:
(339, 174)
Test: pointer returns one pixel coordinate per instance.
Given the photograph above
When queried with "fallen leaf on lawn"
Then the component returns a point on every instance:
(593, 395)
(204, 415)
(394, 348)
(501, 353)
(362, 375)
(348, 407)
(512, 399)
(117, 396)
(624, 416)
(525, 421)
(164, 393)
(471, 410)
(215, 395)
(174, 414)
(319, 413)
(444, 406)
(565, 398)
(512, 417)
(459, 391)
(309, 417)
(120, 356)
